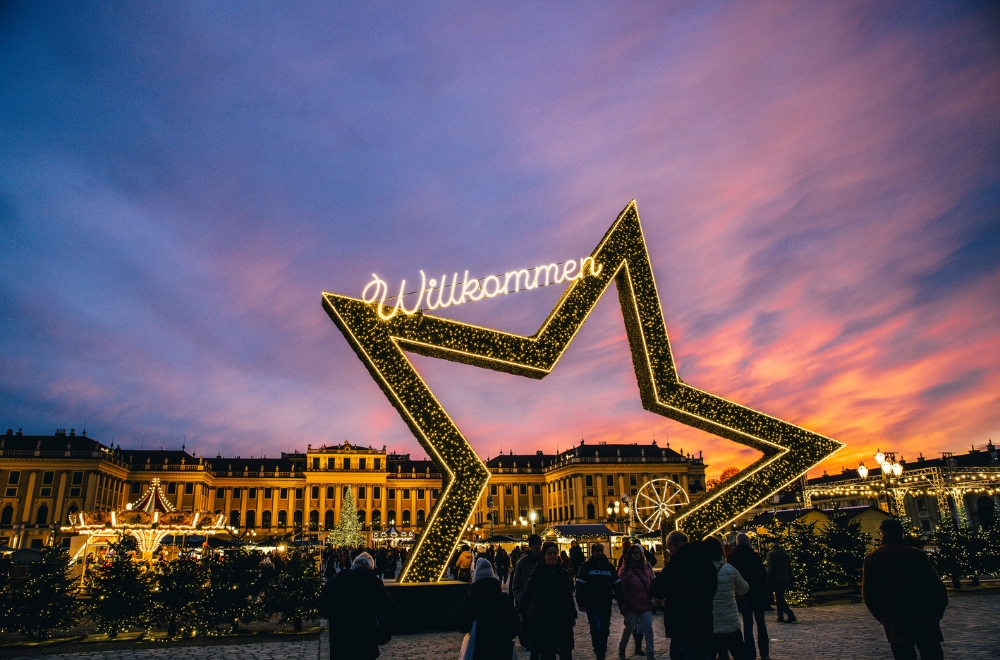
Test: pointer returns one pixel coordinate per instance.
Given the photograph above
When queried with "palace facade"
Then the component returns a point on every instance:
(46, 478)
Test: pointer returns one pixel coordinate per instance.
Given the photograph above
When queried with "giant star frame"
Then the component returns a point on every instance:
(788, 450)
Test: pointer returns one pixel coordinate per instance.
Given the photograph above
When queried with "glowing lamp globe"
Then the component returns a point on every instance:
(863, 471)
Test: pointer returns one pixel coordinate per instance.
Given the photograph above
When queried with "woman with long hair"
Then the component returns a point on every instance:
(728, 638)
(636, 577)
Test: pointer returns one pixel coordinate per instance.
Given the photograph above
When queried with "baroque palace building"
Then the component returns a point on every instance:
(46, 478)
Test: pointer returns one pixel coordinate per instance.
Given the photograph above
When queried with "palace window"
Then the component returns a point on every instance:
(299, 492)
(328, 519)
(493, 489)
(506, 489)
(220, 493)
(189, 488)
(314, 493)
(361, 493)
(590, 511)
(406, 493)
(237, 493)
(610, 480)
(47, 478)
(268, 493)
(282, 519)
(316, 463)
(14, 477)
(523, 489)
(631, 480)
(283, 493)
(377, 492)
(589, 480)
(538, 489)
(420, 493)
(77, 478)
(347, 463)
(362, 463)
(265, 519)
(172, 488)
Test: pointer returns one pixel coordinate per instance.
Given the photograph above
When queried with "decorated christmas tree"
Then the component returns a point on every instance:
(177, 603)
(120, 590)
(47, 598)
(294, 592)
(347, 532)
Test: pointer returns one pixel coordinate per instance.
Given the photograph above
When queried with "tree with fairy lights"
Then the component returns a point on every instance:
(347, 532)
(293, 593)
(120, 589)
(177, 603)
(234, 587)
(812, 569)
(847, 546)
(46, 600)
(952, 557)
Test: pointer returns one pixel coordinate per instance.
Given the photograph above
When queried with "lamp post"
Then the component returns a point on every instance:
(891, 470)
(616, 510)
(534, 518)
(524, 523)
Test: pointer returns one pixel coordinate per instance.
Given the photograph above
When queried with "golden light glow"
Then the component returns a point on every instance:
(621, 257)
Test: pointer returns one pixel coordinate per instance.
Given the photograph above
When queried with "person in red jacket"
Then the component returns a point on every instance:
(904, 593)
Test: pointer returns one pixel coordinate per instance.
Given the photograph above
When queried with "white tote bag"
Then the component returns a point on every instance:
(468, 649)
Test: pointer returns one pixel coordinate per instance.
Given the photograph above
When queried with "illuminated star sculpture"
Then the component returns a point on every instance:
(788, 450)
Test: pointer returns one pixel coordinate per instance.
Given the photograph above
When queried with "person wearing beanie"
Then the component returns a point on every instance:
(548, 602)
(355, 630)
(492, 611)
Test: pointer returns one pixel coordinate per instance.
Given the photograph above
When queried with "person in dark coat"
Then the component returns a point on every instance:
(752, 603)
(501, 565)
(353, 601)
(597, 583)
(493, 613)
(779, 578)
(904, 593)
(687, 585)
(576, 556)
(549, 598)
(522, 573)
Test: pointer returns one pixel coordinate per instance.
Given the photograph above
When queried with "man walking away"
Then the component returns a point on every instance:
(779, 577)
(751, 604)
(687, 585)
(597, 583)
(904, 593)
(522, 572)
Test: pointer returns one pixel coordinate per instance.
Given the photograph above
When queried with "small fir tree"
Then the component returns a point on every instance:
(952, 557)
(347, 532)
(235, 588)
(809, 556)
(47, 599)
(120, 591)
(847, 546)
(178, 600)
(294, 592)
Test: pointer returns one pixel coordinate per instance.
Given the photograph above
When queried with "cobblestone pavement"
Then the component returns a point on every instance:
(833, 631)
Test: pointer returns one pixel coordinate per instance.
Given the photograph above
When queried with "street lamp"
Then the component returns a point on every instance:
(534, 518)
(891, 471)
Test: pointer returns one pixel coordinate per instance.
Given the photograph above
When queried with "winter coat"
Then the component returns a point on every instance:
(751, 568)
(688, 584)
(779, 568)
(577, 558)
(635, 586)
(597, 582)
(497, 620)
(725, 613)
(464, 560)
(354, 629)
(522, 572)
(904, 593)
(548, 599)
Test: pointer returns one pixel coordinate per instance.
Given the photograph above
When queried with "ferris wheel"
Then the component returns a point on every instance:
(657, 500)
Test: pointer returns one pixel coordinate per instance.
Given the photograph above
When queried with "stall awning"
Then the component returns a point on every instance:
(581, 531)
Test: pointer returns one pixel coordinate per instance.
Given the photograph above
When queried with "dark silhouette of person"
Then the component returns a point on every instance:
(904, 593)
(687, 585)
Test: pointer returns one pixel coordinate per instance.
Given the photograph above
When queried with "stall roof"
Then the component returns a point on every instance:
(595, 531)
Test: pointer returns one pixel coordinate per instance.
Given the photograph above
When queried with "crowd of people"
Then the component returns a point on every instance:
(712, 596)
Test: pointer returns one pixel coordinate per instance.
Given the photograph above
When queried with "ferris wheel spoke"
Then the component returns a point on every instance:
(641, 494)
(656, 520)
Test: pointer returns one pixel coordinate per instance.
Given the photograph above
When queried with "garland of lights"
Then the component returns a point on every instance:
(621, 256)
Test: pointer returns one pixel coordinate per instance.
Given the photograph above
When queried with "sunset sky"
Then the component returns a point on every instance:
(819, 186)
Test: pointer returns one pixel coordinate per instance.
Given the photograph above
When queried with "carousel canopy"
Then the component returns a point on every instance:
(152, 500)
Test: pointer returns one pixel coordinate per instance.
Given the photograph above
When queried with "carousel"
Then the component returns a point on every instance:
(148, 520)
(392, 536)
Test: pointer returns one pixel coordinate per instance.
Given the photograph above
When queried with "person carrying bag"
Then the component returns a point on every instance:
(488, 618)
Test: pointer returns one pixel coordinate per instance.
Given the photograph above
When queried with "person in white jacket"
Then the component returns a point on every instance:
(725, 613)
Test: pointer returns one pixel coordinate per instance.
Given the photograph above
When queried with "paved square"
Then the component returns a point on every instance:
(970, 627)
